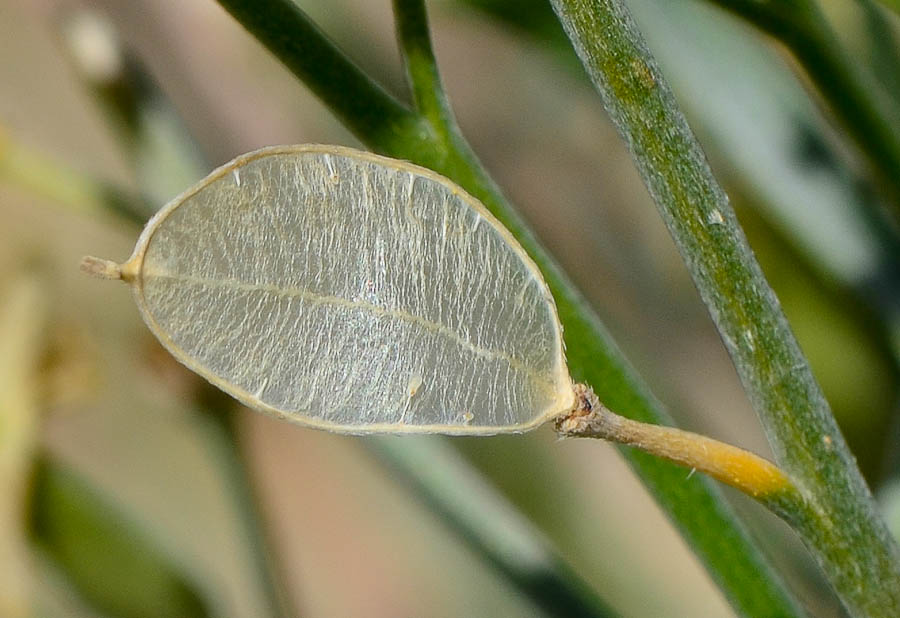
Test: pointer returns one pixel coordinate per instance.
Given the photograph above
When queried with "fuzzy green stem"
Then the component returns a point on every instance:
(861, 559)
(894, 5)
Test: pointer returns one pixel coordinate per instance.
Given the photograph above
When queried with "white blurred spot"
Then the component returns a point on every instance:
(94, 46)
(415, 383)
(715, 217)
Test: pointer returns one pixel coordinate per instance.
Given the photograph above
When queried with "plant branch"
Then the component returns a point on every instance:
(421, 70)
(861, 559)
(364, 107)
(855, 97)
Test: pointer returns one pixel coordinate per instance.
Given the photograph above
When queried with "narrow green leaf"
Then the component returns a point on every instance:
(218, 422)
(882, 48)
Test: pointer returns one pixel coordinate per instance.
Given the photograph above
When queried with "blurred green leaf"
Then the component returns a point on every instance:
(852, 92)
(892, 4)
(115, 567)
(881, 46)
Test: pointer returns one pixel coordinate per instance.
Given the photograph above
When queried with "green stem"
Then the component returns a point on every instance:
(359, 102)
(106, 556)
(858, 101)
(850, 542)
(421, 69)
(882, 46)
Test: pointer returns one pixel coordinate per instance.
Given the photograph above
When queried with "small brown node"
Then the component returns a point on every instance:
(586, 404)
(585, 400)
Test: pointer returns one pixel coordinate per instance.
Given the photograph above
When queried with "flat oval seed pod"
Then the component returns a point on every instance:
(351, 292)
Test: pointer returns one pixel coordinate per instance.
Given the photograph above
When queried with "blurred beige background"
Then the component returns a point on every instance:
(350, 539)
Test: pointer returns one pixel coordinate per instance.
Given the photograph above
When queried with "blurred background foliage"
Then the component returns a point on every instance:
(123, 496)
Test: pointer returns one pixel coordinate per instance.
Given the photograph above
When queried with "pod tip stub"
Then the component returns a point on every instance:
(100, 268)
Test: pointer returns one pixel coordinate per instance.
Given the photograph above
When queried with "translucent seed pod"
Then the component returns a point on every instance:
(351, 292)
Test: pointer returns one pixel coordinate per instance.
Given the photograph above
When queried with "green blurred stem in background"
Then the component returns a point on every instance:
(430, 137)
(219, 421)
(491, 526)
(848, 539)
(867, 111)
(104, 554)
(52, 180)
